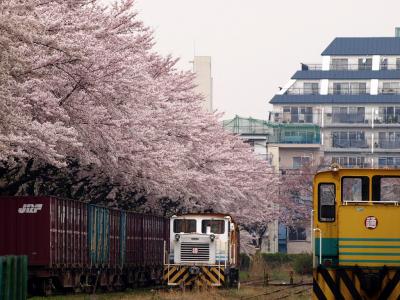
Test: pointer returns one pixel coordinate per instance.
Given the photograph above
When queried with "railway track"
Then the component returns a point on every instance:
(278, 290)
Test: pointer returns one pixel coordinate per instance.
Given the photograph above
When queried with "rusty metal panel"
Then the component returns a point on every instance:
(134, 239)
(68, 233)
(25, 228)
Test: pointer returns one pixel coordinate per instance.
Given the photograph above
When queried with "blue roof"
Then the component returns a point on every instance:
(335, 99)
(362, 74)
(363, 46)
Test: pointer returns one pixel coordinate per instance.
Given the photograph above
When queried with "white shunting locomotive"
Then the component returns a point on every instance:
(203, 250)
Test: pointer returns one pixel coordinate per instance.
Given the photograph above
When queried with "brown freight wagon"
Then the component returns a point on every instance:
(71, 244)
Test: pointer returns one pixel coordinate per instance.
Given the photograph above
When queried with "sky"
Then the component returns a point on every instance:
(257, 45)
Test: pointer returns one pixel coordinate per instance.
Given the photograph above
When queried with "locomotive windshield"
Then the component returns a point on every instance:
(386, 188)
(355, 188)
(217, 226)
(184, 225)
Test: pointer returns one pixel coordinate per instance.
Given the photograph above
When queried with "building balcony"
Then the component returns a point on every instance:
(346, 120)
(344, 145)
(389, 91)
(337, 99)
(331, 91)
(350, 67)
(384, 120)
(337, 67)
(310, 138)
(302, 91)
(292, 118)
(356, 166)
(350, 143)
(387, 145)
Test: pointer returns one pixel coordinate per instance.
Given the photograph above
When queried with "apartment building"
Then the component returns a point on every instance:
(353, 95)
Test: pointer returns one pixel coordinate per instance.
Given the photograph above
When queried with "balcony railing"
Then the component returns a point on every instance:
(311, 67)
(331, 91)
(345, 118)
(387, 119)
(349, 67)
(351, 166)
(389, 91)
(302, 91)
(296, 139)
(347, 91)
(387, 144)
(350, 143)
(384, 66)
(337, 67)
(302, 118)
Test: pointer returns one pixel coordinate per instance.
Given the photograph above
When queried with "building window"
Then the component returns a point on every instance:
(349, 139)
(365, 63)
(311, 88)
(352, 88)
(300, 161)
(384, 64)
(348, 115)
(390, 87)
(388, 140)
(297, 114)
(388, 162)
(297, 234)
(350, 161)
(388, 115)
(397, 63)
(339, 64)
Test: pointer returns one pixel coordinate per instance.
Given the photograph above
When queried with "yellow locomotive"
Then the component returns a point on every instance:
(356, 226)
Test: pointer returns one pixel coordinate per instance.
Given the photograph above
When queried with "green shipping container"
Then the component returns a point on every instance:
(99, 235)
(13, 277)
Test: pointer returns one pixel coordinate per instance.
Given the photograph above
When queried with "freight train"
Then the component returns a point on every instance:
(356, 225)
(204, 251)
(82, 247)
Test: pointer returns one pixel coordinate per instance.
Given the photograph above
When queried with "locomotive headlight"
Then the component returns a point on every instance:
(212, 237)
(177, 237)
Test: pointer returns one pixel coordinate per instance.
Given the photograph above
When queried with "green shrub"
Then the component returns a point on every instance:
(244, 261)
(276, 259)
(302, 263)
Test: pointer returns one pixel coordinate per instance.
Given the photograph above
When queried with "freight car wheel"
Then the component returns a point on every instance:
(48, 286)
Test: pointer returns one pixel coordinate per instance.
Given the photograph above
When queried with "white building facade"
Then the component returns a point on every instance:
(203, 80)
(354, 96)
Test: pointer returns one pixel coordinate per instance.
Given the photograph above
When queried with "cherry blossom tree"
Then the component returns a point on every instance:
(84, 95)
(296, 192)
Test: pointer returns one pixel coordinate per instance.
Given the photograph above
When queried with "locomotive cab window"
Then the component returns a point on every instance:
(184, 225)
(326, 202)
(217, 226)
(355, 188)
(386, 188)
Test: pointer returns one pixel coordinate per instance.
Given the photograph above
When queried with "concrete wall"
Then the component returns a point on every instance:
(295, 247)
(270, 241)
(282, 157)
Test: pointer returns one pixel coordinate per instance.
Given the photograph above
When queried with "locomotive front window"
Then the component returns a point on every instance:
(385, 188)
(184, 225)
(355, 188)
(217, 226)
(326, 202)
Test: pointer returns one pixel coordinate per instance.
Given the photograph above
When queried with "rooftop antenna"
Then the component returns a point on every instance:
(194, 54)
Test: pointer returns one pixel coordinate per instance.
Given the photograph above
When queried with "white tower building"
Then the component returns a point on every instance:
(203, 80)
